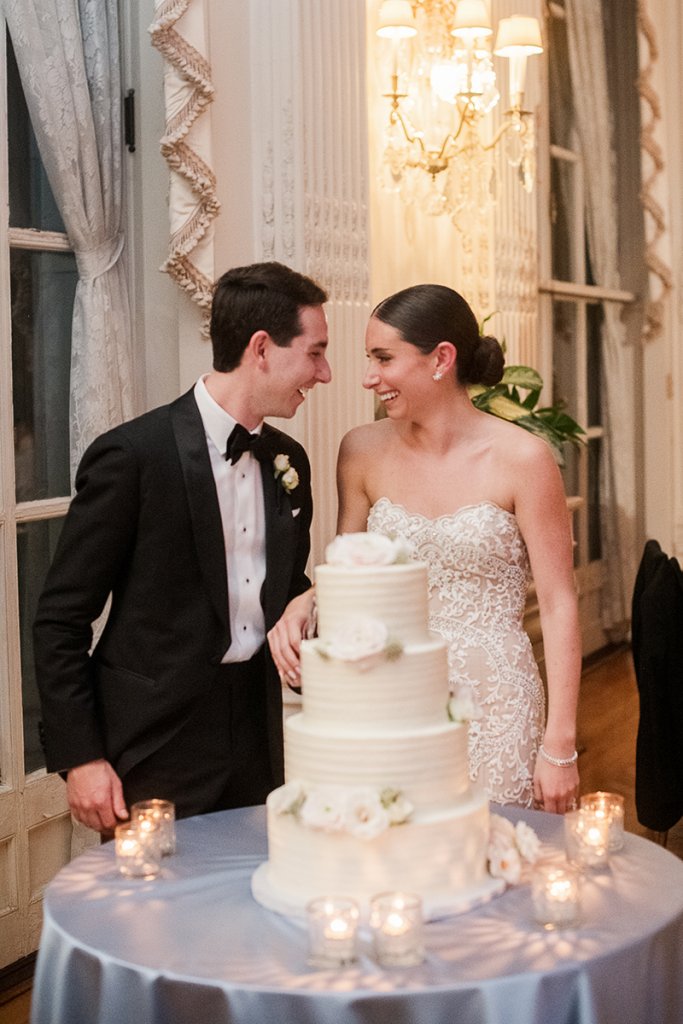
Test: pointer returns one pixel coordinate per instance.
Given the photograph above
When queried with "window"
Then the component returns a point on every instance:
(575, 300)
(42, 284)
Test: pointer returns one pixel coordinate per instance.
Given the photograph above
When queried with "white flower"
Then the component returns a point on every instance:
(501, 830)
(281, 464)
(356, 639)
(397, 807)
(290, 480)
(324, 809)
(528, 843)
(505, 862)
(361, 549)
(287, 799)
(364, 816)
(462, 707)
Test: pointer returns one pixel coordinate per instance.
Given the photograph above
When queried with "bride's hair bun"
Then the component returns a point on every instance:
(487, 363)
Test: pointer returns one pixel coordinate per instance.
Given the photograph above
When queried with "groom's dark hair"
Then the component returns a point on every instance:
(260, 297)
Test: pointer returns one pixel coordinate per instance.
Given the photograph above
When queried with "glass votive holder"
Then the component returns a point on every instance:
(396, 924)
(586, 835)
(332, 931)
(137, 850)
(555, 895)
(162, 813)
(610, 806)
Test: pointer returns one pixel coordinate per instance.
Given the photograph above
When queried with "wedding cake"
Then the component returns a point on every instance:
(377, 794)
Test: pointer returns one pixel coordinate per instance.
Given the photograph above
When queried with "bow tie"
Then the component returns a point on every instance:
(241, 441)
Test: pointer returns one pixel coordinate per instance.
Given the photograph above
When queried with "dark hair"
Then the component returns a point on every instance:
(426, 314)
(260, 297)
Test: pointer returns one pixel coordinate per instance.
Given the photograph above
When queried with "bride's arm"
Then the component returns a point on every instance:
(353, 501)
(541, 511)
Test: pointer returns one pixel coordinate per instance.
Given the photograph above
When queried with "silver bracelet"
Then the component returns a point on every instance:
(559, 762)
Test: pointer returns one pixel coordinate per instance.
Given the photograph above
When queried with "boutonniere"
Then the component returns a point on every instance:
(285, 473)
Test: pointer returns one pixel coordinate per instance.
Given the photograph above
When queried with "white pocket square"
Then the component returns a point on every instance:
(295, 512)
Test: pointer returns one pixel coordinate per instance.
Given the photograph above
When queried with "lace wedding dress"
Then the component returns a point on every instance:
(478, 579)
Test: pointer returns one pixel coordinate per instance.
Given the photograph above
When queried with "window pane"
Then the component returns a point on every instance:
(43, 286)
(563, 200)
(594, 460)
(560, 86)
(595, 318)
(36, 544)
(564, 355)
(31, 202)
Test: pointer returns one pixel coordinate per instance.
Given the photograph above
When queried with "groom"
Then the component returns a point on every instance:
(195, 519)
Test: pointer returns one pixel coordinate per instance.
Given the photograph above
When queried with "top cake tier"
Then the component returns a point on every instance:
(394, 594)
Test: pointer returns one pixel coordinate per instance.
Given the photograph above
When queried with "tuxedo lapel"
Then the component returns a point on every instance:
(203, 502)
(281, 535)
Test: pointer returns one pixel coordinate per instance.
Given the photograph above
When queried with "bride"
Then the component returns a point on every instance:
(482, 503)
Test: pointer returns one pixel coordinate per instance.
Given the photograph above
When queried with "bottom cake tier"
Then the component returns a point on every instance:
(441, 857)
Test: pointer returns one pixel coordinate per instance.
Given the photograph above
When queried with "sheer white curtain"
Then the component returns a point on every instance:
(68, 57)
(592, 112)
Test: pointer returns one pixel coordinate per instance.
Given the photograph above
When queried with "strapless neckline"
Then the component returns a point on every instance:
(487, 503)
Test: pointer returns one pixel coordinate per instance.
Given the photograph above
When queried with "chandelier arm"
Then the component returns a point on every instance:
(453, 136)
(397, 115)
(507, 124)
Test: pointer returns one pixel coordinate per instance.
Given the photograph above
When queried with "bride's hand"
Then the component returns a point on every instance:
(555, 789)
(285, 637)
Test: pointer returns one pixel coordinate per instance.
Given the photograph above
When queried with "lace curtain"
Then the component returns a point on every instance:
(68, 57)
(585, 38)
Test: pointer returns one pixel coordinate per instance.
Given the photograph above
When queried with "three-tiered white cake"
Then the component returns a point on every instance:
(377, 795)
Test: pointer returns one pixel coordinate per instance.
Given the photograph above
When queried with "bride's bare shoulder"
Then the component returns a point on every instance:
(366, 439)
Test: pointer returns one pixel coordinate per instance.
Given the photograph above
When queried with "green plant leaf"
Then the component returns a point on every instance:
(522, 377)
(506, 408)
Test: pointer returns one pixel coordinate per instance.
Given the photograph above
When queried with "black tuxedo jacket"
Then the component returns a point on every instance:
(657, 639)
(145, 528)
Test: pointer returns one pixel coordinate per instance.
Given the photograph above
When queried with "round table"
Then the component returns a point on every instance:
(193, 947)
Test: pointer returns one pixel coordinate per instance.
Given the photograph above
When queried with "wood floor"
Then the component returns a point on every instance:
(608, 721)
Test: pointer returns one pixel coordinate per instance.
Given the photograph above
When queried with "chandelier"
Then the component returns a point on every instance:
(440, 137)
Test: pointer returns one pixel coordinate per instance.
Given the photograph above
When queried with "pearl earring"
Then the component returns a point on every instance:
(437, 376)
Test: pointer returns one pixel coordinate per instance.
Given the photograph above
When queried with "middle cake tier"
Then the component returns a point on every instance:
(427, 765)
(408, 691)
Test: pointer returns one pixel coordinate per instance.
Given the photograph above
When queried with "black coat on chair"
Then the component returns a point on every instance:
(657, 628)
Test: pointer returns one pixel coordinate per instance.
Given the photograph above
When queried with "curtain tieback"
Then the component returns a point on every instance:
(93, 263)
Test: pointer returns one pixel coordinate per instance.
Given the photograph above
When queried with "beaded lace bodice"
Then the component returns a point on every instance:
(478, 579)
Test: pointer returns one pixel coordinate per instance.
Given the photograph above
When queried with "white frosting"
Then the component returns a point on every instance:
(442, 858)
(396, 594)
(428, 765)
(408, 692)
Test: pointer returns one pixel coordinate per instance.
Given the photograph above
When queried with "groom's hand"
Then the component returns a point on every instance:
(95, 795)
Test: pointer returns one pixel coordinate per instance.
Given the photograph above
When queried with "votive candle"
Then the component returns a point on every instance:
(332, 931)
(555, 895)
(610, 806)
(137, 850)
(162, 813)
(586, 838)
(396, 923)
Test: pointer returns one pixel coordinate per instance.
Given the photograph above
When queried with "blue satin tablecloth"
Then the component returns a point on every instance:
(193, 947)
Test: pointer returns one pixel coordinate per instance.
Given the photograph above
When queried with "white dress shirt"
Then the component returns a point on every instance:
(240, 498)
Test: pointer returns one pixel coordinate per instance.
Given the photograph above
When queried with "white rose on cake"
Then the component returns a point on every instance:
(364, 816)
(366, 549)
(358, 639)
(324, 808)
